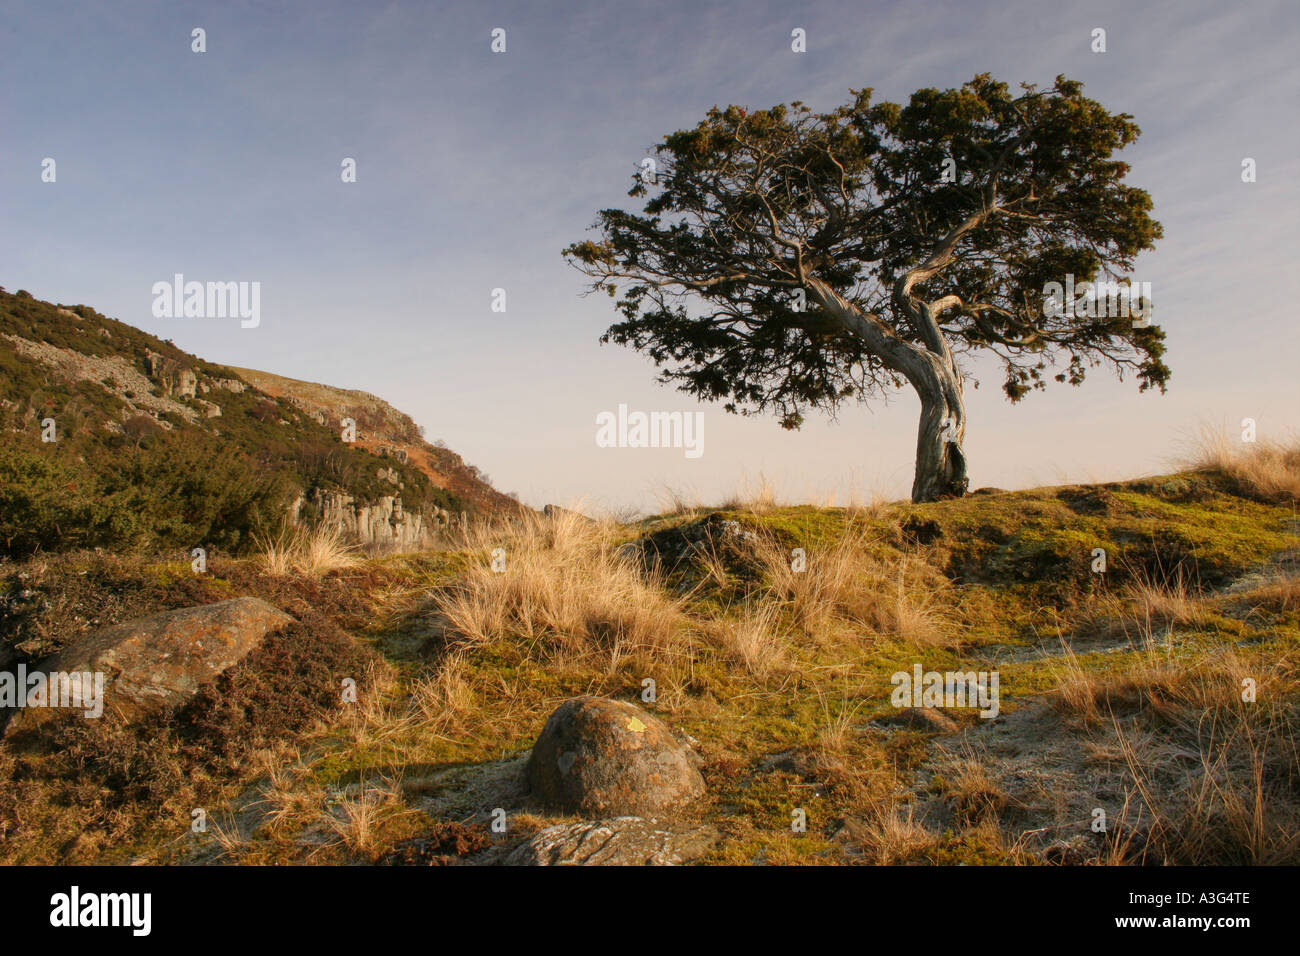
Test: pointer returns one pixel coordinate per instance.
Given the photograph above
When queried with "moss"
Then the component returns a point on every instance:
(969, 849)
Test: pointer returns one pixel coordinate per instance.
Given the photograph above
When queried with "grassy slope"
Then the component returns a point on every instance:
(1108, 682)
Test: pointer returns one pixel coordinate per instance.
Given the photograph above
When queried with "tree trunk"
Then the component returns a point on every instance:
(932, 371)
(940, 460)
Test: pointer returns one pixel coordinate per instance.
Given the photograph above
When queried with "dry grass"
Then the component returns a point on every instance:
(1156, 682)
(1223, 788)
(356, 816)
(1214, 778)
(1266, 469)
(233, 843)
(869, 782)
(558, 586)
(444, 698)
(753, 639)
(974, 794)
(1174, 602)
(855, 583)
(895, 836)
(828, 586)
(325, 549)
(676, 502)
(871, 506)
(1079, 693)
(291, 797)
(914, 615)
(837, 732)
(276, 555)
(1148, 611)
(376, 716)
(309, 552)
(1278, 593)
(757, 496)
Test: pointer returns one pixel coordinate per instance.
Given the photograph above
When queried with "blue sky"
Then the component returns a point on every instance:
(475, 169)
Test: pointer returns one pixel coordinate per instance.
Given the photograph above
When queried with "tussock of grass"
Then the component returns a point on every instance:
(895, 836)
(309, 552)
(754, 639)
(756, 496)
(856, 582)
(559, 586)
(444, 697)
(1174, 602)
(1146, 610)
(676, 502)
(974, 793)
(356, 816)
(1267, 469)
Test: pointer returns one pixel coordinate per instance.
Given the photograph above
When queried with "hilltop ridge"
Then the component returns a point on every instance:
(386, 431)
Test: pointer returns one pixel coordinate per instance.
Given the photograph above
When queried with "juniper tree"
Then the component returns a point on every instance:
(788, 260)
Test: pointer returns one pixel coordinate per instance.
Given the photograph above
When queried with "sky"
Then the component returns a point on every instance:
(475, 168)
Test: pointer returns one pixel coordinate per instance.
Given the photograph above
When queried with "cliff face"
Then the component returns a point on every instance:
(385, 524)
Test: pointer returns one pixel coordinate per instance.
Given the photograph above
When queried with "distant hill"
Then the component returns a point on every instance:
(385, 430)
(154, 448)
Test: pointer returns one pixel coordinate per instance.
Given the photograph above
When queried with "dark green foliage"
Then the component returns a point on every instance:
(46, 501)
(750, 208)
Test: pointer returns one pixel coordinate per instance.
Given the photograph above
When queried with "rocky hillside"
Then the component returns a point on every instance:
(387, 432)
(111, 437)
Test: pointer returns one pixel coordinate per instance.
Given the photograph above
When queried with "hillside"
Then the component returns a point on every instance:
(148, 447)
(386, 431)
(1157, 693)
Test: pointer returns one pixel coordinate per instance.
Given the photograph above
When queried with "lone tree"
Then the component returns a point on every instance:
(789, 260)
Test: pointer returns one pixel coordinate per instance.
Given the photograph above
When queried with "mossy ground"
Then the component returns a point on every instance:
(1199, 580)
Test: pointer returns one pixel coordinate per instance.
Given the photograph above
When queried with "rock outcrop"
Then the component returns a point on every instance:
(600, 757)
(177, 380)
(388, 433)
(158, 661)
(112, 373)
(621, 841)
(384, 524)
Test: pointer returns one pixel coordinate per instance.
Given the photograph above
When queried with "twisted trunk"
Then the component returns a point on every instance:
(931, 370)
(940, 461)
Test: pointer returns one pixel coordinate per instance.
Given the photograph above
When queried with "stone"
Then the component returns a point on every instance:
(599, 757)
(621, 841)
(176, 380)
(113, 373)
(385, 523)
(927, 720)
(556, 512)
(186, 383)
(159, 661)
